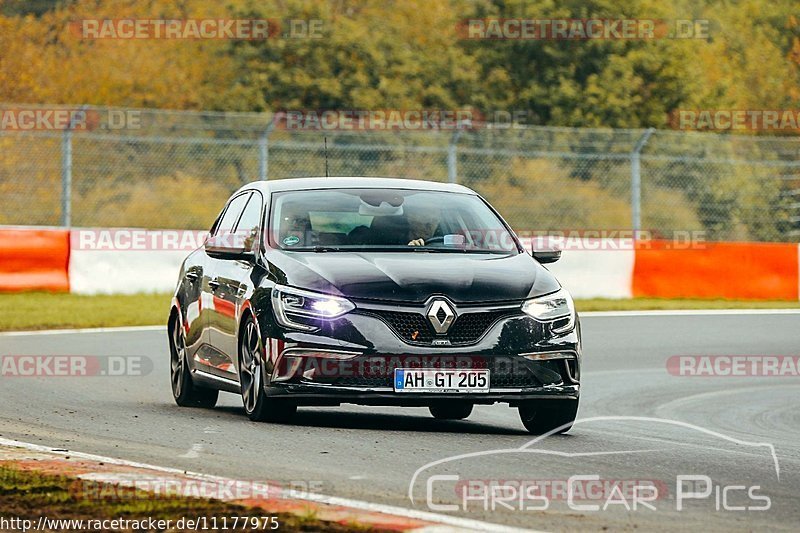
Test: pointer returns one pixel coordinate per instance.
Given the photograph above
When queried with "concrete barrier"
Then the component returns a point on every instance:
(127, 261)
(124, 272)
(595, 268)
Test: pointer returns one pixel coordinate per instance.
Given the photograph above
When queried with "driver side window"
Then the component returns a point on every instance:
(231, 215)
(248, 226)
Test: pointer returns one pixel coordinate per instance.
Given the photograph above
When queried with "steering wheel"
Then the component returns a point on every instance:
(438, 238)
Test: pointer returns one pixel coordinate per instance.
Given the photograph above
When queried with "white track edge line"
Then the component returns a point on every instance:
(690, 312)
(455, 521)
(120, 329)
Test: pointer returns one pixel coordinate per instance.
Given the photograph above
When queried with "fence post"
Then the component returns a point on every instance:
(263, 155)
(636, 181)
(66, 166)
(66, 177)
(263, 150)
(452, 173)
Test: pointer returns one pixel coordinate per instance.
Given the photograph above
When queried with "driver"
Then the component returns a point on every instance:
(423, 223)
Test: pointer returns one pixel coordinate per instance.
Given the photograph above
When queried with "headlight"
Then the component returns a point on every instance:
(552, 307)
(290, 304)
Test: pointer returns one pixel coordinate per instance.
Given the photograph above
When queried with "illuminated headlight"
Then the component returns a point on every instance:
(290, 304)
(552, 307)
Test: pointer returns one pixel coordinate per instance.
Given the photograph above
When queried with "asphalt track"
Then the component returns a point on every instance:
(653, 427)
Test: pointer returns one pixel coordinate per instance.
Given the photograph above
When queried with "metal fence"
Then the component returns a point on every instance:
(159, 169)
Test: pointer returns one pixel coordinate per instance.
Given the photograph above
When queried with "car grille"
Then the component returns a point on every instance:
(377, 371)
(468, 328)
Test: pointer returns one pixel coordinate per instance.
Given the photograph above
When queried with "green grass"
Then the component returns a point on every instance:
(36, 310)
(643, 304)
(28, 494)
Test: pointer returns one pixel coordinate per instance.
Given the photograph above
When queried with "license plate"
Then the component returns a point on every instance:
(441, 381)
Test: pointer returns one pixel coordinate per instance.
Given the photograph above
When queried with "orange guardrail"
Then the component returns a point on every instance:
(34, 259)
(731, 270)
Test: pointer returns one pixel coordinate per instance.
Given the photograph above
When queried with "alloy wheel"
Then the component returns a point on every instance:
(250, 367)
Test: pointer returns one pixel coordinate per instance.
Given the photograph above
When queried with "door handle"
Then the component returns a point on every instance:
(214, 284)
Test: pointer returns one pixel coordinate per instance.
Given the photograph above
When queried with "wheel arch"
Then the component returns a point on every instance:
(247, 312)
(174, 313)
(174, 319)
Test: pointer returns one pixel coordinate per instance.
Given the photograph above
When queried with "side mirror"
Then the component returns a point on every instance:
(547, 256)
(228, 246)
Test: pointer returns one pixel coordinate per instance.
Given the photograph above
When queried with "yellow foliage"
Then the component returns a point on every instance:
(539, 194)
(164, 202)
(45, 60)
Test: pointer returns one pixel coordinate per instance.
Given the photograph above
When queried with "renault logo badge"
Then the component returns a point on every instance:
(441, 316)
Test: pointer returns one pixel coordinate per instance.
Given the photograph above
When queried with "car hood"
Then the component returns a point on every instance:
(415, 276)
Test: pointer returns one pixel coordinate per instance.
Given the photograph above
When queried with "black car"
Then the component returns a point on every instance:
(322, 291)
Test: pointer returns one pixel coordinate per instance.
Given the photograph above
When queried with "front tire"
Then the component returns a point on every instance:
(451, 411)
(257, 405)
(184, 391)
(544, 416)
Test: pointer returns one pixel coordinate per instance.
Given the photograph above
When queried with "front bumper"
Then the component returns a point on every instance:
(352, 360)
(368, 379)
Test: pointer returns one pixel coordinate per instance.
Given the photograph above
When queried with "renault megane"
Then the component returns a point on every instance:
(373, 291)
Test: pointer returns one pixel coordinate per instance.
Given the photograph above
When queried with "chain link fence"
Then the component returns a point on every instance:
(164, 169)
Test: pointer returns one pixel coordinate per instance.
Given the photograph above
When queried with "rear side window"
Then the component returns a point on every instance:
(235, 208)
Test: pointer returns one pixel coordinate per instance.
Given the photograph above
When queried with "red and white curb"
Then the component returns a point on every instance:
(119, 472)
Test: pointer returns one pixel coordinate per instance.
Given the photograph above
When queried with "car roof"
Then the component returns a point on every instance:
(303, 184)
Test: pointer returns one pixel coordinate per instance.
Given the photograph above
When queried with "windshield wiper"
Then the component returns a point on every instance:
(438, 250)
(458, 250)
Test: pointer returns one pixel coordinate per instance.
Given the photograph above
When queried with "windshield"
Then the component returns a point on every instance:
(386, 220)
